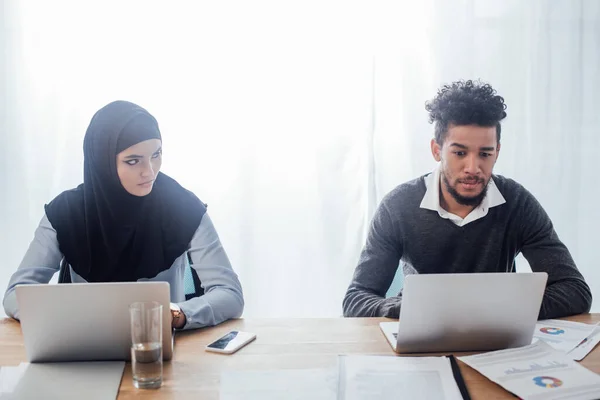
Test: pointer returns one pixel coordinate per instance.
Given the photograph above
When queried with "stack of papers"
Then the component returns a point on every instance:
(355, 377)
(574, 338)
(68, 380)
(537, 371)
(562, 335)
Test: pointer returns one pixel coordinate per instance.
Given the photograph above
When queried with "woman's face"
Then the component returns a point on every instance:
(138, 166)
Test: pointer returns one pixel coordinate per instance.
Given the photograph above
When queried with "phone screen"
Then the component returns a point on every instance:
(230, 341)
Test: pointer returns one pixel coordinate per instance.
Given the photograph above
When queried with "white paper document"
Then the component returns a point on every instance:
(562, 335)
(385, 377)
(585, 346)
(292, 384)
(537, 372)
(68, 380)
(355, 377)
(10, 378)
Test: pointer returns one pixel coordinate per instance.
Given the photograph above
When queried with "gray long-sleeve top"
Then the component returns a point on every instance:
(222, 299)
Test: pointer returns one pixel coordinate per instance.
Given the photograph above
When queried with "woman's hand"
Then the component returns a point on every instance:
(177, 317)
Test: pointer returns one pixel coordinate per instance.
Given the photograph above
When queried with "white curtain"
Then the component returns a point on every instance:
(292, 120)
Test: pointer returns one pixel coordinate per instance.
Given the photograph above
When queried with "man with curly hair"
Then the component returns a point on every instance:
(461, 218)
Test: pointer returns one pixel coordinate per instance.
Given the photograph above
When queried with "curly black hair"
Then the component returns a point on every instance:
(465, 103)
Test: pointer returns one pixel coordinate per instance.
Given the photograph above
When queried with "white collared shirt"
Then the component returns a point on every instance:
(431, 200)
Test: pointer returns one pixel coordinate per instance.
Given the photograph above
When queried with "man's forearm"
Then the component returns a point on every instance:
(375, 271)
(566, 297)
(360, 303)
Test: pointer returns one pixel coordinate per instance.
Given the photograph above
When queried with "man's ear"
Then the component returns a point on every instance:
(436, 150)
(497, 152)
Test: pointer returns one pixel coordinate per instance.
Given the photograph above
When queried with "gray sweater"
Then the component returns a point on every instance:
(423, 242)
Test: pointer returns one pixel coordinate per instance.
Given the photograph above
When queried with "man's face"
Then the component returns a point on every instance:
(467, 158)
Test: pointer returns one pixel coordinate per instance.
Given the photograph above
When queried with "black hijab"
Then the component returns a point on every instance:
(107, 234)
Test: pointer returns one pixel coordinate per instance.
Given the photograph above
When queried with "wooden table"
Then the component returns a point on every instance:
(281, 343)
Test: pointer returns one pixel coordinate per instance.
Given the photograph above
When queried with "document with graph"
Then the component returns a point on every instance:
(538, 372)
(562, 335)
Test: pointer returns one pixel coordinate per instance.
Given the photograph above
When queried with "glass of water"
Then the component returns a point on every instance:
(146, 344)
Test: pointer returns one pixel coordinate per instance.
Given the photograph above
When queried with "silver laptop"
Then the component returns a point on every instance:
(466, 312)
(86, 321)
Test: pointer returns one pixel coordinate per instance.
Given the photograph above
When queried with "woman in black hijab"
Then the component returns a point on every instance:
(130, 222)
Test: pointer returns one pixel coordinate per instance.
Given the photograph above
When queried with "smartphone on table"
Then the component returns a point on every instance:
(231, 342)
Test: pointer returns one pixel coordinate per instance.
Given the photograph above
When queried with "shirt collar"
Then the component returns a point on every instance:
(431, 200)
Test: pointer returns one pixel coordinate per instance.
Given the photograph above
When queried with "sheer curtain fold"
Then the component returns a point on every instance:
(292, 122)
